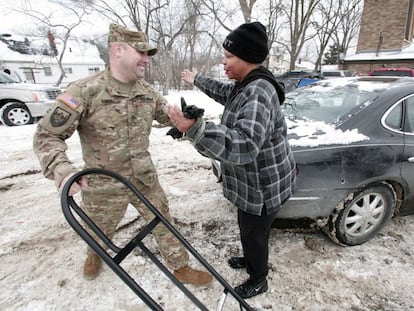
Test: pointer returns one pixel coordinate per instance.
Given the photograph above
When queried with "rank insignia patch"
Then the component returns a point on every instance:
(59, 117)
(68, 100)
(146, 99)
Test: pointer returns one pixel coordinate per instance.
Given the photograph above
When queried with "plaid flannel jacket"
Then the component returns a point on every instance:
(250, 143)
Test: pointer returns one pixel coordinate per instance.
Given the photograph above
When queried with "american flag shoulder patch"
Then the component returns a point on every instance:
(70, 101)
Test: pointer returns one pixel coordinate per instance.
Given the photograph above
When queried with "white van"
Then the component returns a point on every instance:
(21, 103)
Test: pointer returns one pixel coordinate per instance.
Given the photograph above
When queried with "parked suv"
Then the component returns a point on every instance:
(22, 103)
(328, 74)
(406, 72)
(291, 79)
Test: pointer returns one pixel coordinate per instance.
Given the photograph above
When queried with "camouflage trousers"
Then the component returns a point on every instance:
(106, 200)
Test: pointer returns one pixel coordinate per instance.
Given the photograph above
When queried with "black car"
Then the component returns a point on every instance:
(353, 141)
(290, 79)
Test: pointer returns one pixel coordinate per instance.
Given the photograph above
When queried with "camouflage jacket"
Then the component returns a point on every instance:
(113, 121)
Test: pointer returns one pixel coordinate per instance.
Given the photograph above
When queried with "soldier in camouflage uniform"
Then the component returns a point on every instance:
(113, 113)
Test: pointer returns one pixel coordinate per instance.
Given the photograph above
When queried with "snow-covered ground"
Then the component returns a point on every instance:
(41, 257)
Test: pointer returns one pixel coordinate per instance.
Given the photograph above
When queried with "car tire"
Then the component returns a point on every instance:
(14, 114)
(363, 216)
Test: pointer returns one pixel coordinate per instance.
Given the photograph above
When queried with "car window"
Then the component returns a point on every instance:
(393, 120)
(410, 112)
(5, 78)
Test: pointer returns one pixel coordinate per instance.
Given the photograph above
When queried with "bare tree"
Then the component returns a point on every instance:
(190, 33)
(172, 25)
(274, 25)
(166, 35)
(112, 12)
(199, 37)
(298, 15)
(349, 24)
(275, 19)
(247, 8)
(325, 21)
(50, 27)
(139, 15)
(222, 13)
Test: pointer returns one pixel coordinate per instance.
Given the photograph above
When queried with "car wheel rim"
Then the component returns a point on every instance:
(365, 214)
(18, 116)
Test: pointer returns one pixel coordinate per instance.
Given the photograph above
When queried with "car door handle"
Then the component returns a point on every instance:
(411, 160)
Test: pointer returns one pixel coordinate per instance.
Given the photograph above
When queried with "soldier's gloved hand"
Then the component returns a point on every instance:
(190, 112)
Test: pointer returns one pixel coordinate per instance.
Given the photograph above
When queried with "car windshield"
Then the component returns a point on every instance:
(331, 101)
(5, 78)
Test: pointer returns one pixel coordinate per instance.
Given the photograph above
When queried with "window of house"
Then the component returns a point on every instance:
(48, 71)
(28, 76)
(68, 70)
(93, 70)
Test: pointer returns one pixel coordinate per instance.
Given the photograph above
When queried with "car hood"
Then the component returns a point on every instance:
(306, 134)
(26, 86)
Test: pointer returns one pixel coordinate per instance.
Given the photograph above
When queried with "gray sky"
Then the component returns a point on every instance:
(12, 21)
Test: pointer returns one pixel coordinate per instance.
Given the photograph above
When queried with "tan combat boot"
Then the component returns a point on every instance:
(189, 275)
(91, 266)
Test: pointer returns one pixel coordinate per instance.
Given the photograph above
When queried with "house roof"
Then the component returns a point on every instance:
(31, 51)
(397, 54)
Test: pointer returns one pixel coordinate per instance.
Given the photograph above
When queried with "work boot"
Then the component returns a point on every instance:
(252, 287)
(237, 262)
(91, 266)
(189, 275)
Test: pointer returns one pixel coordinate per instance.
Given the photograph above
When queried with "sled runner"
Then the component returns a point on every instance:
(70, 206)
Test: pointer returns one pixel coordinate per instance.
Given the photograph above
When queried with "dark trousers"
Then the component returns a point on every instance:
(254, 235)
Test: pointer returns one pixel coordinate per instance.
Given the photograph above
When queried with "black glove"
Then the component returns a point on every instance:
(190, 112)
(175, 133)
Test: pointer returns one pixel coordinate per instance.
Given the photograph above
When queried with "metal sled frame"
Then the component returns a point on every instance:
(69, 206)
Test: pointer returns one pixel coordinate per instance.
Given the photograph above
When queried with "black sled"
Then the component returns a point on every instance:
(69, 207)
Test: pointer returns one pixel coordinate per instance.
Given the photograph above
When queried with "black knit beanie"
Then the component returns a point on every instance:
(248, 42)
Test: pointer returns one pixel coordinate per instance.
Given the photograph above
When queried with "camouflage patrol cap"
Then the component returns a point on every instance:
(136, 39)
